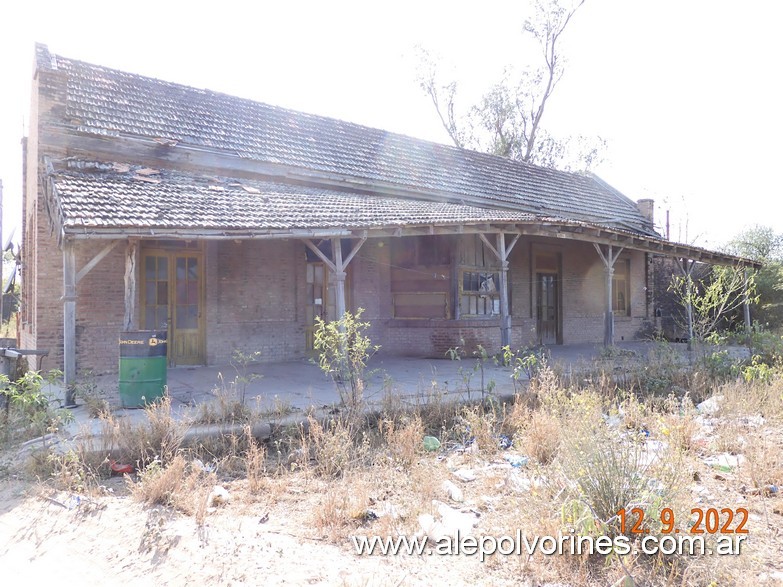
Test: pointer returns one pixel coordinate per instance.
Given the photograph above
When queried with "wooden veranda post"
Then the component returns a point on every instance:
(502, 252)
(337, 265)
(69, 322)
(609, 260)
(505, 318)
(339, 276)
(131, 256)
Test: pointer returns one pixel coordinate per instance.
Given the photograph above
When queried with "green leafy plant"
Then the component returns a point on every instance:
(240, 362)
(343, 353)
(481, 355)
(457, 353)
(719, 365)
(758, 370)
(713, 299)
(766, 344)
(29, 410)
(525, 362)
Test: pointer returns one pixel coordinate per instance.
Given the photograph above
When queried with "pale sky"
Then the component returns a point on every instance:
(687, 93)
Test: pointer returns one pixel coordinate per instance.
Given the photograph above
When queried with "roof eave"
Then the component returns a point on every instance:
(546, 228)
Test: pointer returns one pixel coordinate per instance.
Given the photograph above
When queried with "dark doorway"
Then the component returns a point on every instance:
(548, 311)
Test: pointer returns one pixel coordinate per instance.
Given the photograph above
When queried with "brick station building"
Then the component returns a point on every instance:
(233, 224)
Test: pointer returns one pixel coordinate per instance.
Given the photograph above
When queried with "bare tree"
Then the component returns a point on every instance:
(507, 120)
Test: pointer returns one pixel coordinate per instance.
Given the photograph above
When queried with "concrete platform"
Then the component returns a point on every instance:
(297, 387)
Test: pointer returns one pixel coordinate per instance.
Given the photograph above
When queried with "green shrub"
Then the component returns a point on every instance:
(343, 352)
(29, 411)
(758, 370)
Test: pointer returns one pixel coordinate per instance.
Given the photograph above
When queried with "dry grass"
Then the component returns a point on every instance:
(764, 460)
(228, 406)
(342, 508)
(332, 448)
(403, 438)
(678, 423)
(255, 462)
(480, 426)
(681, 430)
(756, 398)
(158, 484)
(590, 456)
(177, 484)
(541, 437)
(159, 438)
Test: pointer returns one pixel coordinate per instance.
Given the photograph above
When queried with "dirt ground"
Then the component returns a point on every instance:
(291, 532)
(115, 540)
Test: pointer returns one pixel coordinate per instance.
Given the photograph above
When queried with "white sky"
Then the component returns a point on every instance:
(688, 93)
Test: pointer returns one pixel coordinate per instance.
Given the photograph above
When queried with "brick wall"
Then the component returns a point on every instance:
(584, 295)
(255, 299)
(100, 306)
(41, 325)
(43, 266)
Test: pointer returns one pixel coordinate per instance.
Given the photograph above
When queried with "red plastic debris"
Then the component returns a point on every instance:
(120, 467)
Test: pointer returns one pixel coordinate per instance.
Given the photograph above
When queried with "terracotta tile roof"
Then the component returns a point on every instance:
(107, 102)
(94, 195)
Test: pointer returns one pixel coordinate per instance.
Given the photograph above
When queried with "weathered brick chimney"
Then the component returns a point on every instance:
(647, 208)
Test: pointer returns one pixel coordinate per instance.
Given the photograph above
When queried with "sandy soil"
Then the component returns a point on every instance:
(281, 534)
(56, 537)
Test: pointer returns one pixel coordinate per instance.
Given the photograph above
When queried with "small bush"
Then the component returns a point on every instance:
(343, 352)
(87, 390)
(525, 362)
(758, 370)
(26, 410)
(719, 365)
(604, 473)
(767, 345)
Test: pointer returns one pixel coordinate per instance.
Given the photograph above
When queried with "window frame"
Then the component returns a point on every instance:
(485, 275)
(621, 275)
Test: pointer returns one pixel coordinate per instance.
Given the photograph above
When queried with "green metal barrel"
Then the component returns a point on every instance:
(142, 367)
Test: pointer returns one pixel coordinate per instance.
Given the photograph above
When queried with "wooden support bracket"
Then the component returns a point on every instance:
(90, 265)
